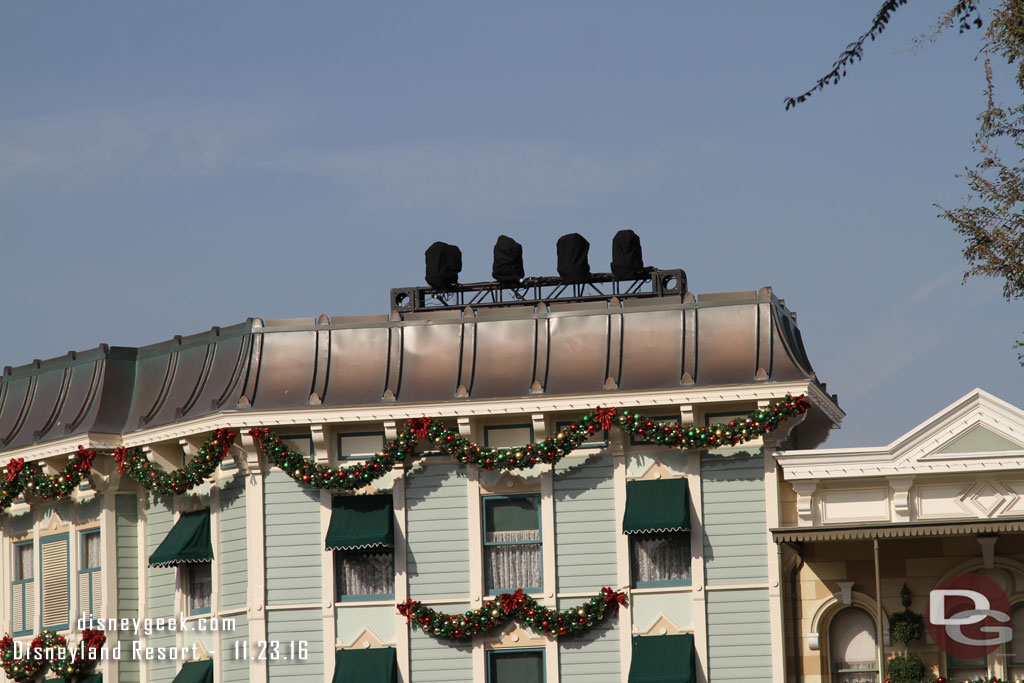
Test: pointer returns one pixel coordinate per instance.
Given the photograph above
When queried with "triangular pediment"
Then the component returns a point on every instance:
(979, 439)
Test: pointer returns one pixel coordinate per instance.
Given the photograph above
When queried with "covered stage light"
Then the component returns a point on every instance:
(444, 263)
(573, 266)
(627, 256)
(508, 261)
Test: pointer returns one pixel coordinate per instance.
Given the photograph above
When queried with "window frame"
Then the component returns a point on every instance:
(484, 500)
(685, 539)
(494, 428)
(358, 458)
(515, 651)
(362, 597)
(190, 583)
(86, 570)
(26, 584)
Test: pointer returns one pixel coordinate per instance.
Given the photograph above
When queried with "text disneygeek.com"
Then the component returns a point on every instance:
(148, 626)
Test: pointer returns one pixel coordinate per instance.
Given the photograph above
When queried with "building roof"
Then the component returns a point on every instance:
(599, 347)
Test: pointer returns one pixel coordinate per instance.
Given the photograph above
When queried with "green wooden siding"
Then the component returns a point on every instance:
(126, 532)
(735, 546)
(294, 545)
(437, 527)
(286, 626)
(160, 582)
(439, 661)
(592, 657)
(232, 559)
(235, 669)
(89, 511)
(585, 523)
(739, 636)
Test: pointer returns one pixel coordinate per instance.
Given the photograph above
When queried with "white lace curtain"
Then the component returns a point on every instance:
(366, 573)
(516, 565)
(662, 558)
(202, 586)
(91, 550)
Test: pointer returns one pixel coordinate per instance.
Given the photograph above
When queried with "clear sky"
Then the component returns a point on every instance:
(169, 167)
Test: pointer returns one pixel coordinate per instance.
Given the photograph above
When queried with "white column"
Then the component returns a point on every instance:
(700, 612)
(401, 561)
(256, 564)
(775, 607)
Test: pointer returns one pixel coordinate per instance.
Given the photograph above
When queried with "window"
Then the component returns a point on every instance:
(56, 582)
(852, 647)
(200, 587)
(187, 545)
(300, 443)
(512, 543)
(361, 534)
(361, 446)
(508, 436)
(660, 559)
(22, 590)
(90, 575)
(657, 521)
(515, 666)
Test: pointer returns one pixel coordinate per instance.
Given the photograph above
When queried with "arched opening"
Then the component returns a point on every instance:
(853, 650)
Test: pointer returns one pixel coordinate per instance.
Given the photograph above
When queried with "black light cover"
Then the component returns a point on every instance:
(444, 263)
(627, 256)
(573, 266)
(508, 260)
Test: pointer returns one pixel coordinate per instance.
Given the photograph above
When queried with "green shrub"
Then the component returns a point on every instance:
(906, 626)
(909, 669)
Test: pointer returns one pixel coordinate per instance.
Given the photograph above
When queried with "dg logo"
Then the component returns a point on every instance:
(969, 616)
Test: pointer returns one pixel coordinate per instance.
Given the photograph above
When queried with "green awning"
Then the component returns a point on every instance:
(195, 672)
(656, 505)
(373, 665)
(188, 541)
(663, 659)
(361, 522)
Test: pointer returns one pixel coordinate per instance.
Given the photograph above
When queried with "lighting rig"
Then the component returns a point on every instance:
(629, 278)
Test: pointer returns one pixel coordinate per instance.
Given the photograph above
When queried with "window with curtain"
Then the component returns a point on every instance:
(515, 666)
(660, 558)
(90, 574)
(364, 572)
(22, 590)
(852, 647)
(512, 544)
(200, 587)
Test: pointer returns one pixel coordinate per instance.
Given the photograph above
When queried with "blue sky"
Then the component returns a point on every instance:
(166, 168)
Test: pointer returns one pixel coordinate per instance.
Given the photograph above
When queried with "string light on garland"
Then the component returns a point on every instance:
(20, 478)
(23, 669)
(134, 463)
(518, 607)
(549, 451)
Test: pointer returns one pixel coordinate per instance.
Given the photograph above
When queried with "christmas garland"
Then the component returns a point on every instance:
(21, 477)
(514, 607)
(551, 450)
(155, 478)
(26, 668)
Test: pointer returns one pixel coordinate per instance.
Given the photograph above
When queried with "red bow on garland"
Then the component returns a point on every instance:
(604, 417)
(93, 638)
(258, 433)
(615, 598)
(14, 467)
(420, 425)
(407, 608)
(512, 601)
(86, 458)
(119, 454)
